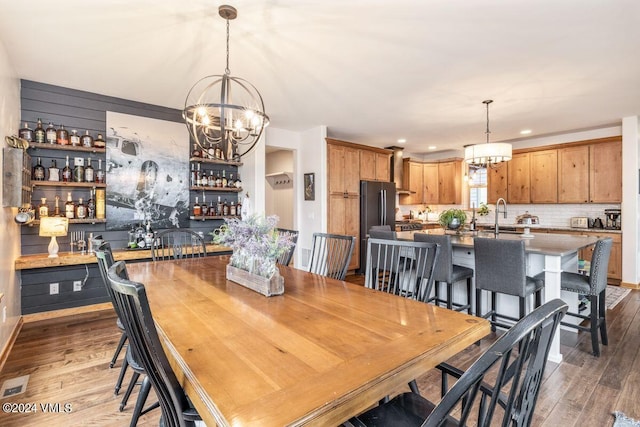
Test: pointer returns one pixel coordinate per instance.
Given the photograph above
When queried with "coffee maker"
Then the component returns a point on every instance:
(613, 221)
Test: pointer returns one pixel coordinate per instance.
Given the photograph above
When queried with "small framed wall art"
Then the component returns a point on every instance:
(309, 186)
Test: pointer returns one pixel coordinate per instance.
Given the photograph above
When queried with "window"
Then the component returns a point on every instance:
(477, 185)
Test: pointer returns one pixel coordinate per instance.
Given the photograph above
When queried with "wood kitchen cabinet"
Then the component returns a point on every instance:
(430, 183)
(497, 182)
(543, 176)
(449, 180)
(412, 176)
(518, 180)
(573, 174)
(614, 270)
(605, 172)
(375, 166)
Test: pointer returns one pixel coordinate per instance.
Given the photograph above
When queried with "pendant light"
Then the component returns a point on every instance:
(225, 114)
(486, 154)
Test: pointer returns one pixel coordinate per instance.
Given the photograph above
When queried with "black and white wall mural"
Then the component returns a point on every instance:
(147, 172)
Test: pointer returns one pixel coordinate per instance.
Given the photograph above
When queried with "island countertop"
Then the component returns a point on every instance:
(539, 243)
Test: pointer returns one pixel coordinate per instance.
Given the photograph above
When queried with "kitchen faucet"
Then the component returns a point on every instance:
(504, 211)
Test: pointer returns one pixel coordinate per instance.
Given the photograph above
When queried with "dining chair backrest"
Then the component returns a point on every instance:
(518, 358)
(331, 254)
(444, 266)
(598, 271)
(285, 258)
(105, 261)
(131, 298)
(178, 244)
(386, 227)
(383, 234)
(401, 267)
(500, 266)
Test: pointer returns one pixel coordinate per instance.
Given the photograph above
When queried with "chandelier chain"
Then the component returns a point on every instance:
(226, 70)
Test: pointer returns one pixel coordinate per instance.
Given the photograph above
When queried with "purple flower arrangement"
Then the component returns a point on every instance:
(255, 242)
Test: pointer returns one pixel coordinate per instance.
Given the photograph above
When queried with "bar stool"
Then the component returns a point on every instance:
(595, 287)
(501, 268)
(447, 272)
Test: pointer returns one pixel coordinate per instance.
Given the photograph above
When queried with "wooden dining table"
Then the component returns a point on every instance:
(319, 354)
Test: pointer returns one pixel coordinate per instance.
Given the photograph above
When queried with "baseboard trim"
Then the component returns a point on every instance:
(64, 312)
(9, 345)
(630, 285)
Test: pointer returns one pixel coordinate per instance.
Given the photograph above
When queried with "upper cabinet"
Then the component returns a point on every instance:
(344, 168)
(605, 172)
(543, 176)
(412, 176)
(497, 182)
(430, 183)
(449, 182)
(573, 174)
(518, 183)
(374, 165)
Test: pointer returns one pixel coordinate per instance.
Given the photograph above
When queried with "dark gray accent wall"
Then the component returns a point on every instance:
(82, 111)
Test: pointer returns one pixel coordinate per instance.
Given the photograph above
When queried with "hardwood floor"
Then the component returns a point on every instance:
(68, 362)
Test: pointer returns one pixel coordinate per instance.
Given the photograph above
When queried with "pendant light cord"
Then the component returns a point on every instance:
(226, 70)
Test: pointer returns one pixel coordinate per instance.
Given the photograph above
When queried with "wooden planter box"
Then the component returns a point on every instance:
(267, 287)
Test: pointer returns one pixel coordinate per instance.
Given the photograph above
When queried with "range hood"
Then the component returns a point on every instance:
(397, 171)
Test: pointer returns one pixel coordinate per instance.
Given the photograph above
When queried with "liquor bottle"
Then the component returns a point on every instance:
(99, 142)
(218, 151)
(231, 182)
(26, 132)
(211, 182)
(78, 170)
(211, 151)
(238, 181)
(198, 176)
(51, 134)
(100, 206)
(54, 172)
(219, 207)
(56, 209)
(43, 208)
(38, 171)
(218, 180)
(91, 205)
(69, 207)
(204, 207)
(196, 151)
(224, 179)
(192, 178)
(197, 210)
(81, 210)
(232, 209)
(89, 175)
(86, 140)
(62, 136)
(67, 174)
(225, 208)
(39, 134)
(99, 173)
(74, 138)
(239, 207)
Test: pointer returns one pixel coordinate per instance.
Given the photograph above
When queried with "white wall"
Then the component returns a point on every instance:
(279, 195)
(9, 230)
(630, 207)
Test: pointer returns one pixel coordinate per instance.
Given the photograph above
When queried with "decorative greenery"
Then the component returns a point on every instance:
(255, 242)
(483, 210)
(449, 215)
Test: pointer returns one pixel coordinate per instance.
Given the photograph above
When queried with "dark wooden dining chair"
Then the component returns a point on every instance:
(131, 298)
(331, 254)
(105, 261)
(506, 378)
(285, 258)
(177, 244)
(594, 285)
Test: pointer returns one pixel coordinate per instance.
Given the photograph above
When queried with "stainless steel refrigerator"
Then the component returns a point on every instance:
(377, 207)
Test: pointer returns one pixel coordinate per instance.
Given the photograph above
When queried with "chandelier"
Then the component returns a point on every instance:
(224, 114)
(484, 155)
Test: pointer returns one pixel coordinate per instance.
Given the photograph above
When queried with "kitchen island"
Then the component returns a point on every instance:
(551, 253)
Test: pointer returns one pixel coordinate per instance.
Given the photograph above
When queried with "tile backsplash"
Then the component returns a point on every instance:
(552, 215)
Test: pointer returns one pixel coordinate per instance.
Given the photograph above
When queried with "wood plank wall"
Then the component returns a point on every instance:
(81, 111)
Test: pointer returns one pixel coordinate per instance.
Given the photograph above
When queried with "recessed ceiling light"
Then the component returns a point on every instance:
(432, 147)
(402, 141)
(525, 132)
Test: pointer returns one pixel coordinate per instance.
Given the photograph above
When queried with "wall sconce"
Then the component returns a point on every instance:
(53, 226)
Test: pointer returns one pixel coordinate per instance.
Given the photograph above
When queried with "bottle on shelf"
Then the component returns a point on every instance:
(74, 138)
(192, 178)
(91, 205)
(239, 207)
(225, 208)
(99, 142)
(211, 151)
(218, 180)
(232, 209)
(62, 136)
(219, 207)
(204, 208)
(212, 209)
(78, 170)
(89, 175)
(224, 179)
(67, 173)
(211, 182)
(197, 210)
(69, 207)
(26, 132)
(43, 208)
(100, 173)
(39, 135)
(51, 134)
(54, 172)
(81, 209)
(56, 209)
(86, 140)
(100, 203)
(218, 151)
(196, 151)
(38, 171)
(231, 182)
(238, 183)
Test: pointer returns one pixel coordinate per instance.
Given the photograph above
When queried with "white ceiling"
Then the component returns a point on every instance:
(371, 71)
